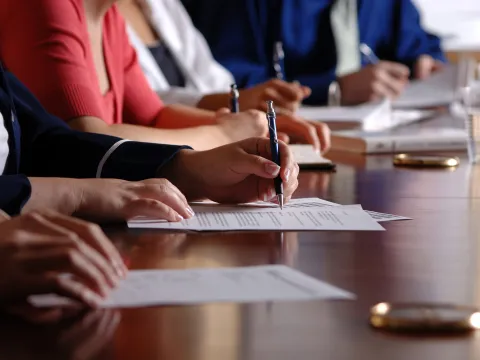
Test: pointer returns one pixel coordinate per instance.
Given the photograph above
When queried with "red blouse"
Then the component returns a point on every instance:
(45, 43)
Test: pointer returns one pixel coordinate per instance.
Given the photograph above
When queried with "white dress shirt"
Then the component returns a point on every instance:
(4, 150)
(203, 75)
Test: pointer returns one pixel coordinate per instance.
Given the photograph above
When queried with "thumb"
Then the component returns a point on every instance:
(423, 67)
(222, 111)
(4, 216)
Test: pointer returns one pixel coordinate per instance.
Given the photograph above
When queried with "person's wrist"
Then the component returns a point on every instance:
(182, 172)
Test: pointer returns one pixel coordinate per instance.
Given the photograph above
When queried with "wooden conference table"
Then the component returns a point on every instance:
(435, 257)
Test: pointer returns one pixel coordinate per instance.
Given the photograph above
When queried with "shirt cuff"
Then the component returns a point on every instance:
(136, 161)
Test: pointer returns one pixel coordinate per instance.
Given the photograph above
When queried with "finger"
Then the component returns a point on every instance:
(277, 98)
(396, 70)
(34, 315)
(290, 91)
(66, 287)
(324, 135)
(391, 86)
(4, 216)
(381, 90)
(300, 128)
(152, 208)
(93, 235)
(164, 191)
(222, 111)
(283, 137)
(80, 263)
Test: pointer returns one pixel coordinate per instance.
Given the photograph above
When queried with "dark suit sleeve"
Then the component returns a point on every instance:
(15, 192)
(51, 149)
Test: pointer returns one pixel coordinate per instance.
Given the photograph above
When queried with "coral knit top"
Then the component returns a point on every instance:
(45, 43)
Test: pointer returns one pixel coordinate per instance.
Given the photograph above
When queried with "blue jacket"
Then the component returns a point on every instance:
(42, 145)
(241, 34)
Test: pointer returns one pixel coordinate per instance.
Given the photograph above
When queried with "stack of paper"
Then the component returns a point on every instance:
(194, 286)
(375, 116)
(438, 90)
(307, 158)
(297, 215)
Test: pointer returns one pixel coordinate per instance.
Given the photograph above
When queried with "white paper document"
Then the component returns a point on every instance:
(437, 90)
(374, 116)
(306, 157)
(195, 286)
(316, 202)
(265, 216)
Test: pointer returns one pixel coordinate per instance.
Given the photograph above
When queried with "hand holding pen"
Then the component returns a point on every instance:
(379, 79)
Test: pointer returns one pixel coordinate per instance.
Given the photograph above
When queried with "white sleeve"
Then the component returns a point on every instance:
(178, 95)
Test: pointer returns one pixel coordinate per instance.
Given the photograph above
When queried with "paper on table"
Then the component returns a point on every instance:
(437, 90)
(305, 156)
(194, 286)
(317, 202)
(376, 116)
(267, 217)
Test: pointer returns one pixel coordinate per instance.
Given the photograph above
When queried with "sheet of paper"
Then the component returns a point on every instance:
(195, 286)
(316, 202)
(337, 113)
(438, 90)
(217, 217)
(305, 155)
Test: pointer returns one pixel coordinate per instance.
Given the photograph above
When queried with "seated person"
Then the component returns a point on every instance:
(86, 72)
(180, 68)
(34, 143)
(321, 40)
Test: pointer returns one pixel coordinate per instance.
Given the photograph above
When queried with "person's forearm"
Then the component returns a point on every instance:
(62, 195)
(214, 101)
(179, 172)
(181, 116)
(199, 137)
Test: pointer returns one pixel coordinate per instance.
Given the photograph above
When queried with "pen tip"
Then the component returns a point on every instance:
(280, 201)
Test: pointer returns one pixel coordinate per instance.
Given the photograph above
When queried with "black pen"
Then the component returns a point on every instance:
(234, 96)
(272, 128)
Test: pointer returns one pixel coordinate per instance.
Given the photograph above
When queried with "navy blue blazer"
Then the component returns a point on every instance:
(42, 145)
(241, 35)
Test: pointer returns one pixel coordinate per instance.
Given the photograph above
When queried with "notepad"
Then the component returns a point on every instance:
(307, 158)
(196, 286)
(438, 90)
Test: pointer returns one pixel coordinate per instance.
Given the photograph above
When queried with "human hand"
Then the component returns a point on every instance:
(425, 66)
(374, 82)
(111, 199)
(37, 248)
(313, 132)
(286, 96)
(234, 173)
(243, 125)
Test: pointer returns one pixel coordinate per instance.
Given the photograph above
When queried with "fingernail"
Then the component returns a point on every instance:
(179, 217)
(93, 299)
(272, 169)
(265, 197)
(287, 174)
(190, 211)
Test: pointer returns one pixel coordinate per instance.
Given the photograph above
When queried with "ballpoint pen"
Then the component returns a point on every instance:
(369, 54)
(272, 128)
(278, 60)
(234, 96)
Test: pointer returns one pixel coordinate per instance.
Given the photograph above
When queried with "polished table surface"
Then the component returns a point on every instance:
(435, 257)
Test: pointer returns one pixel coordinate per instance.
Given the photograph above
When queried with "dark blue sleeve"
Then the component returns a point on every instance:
(51, 149)
(411, 39)
(15, 192)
